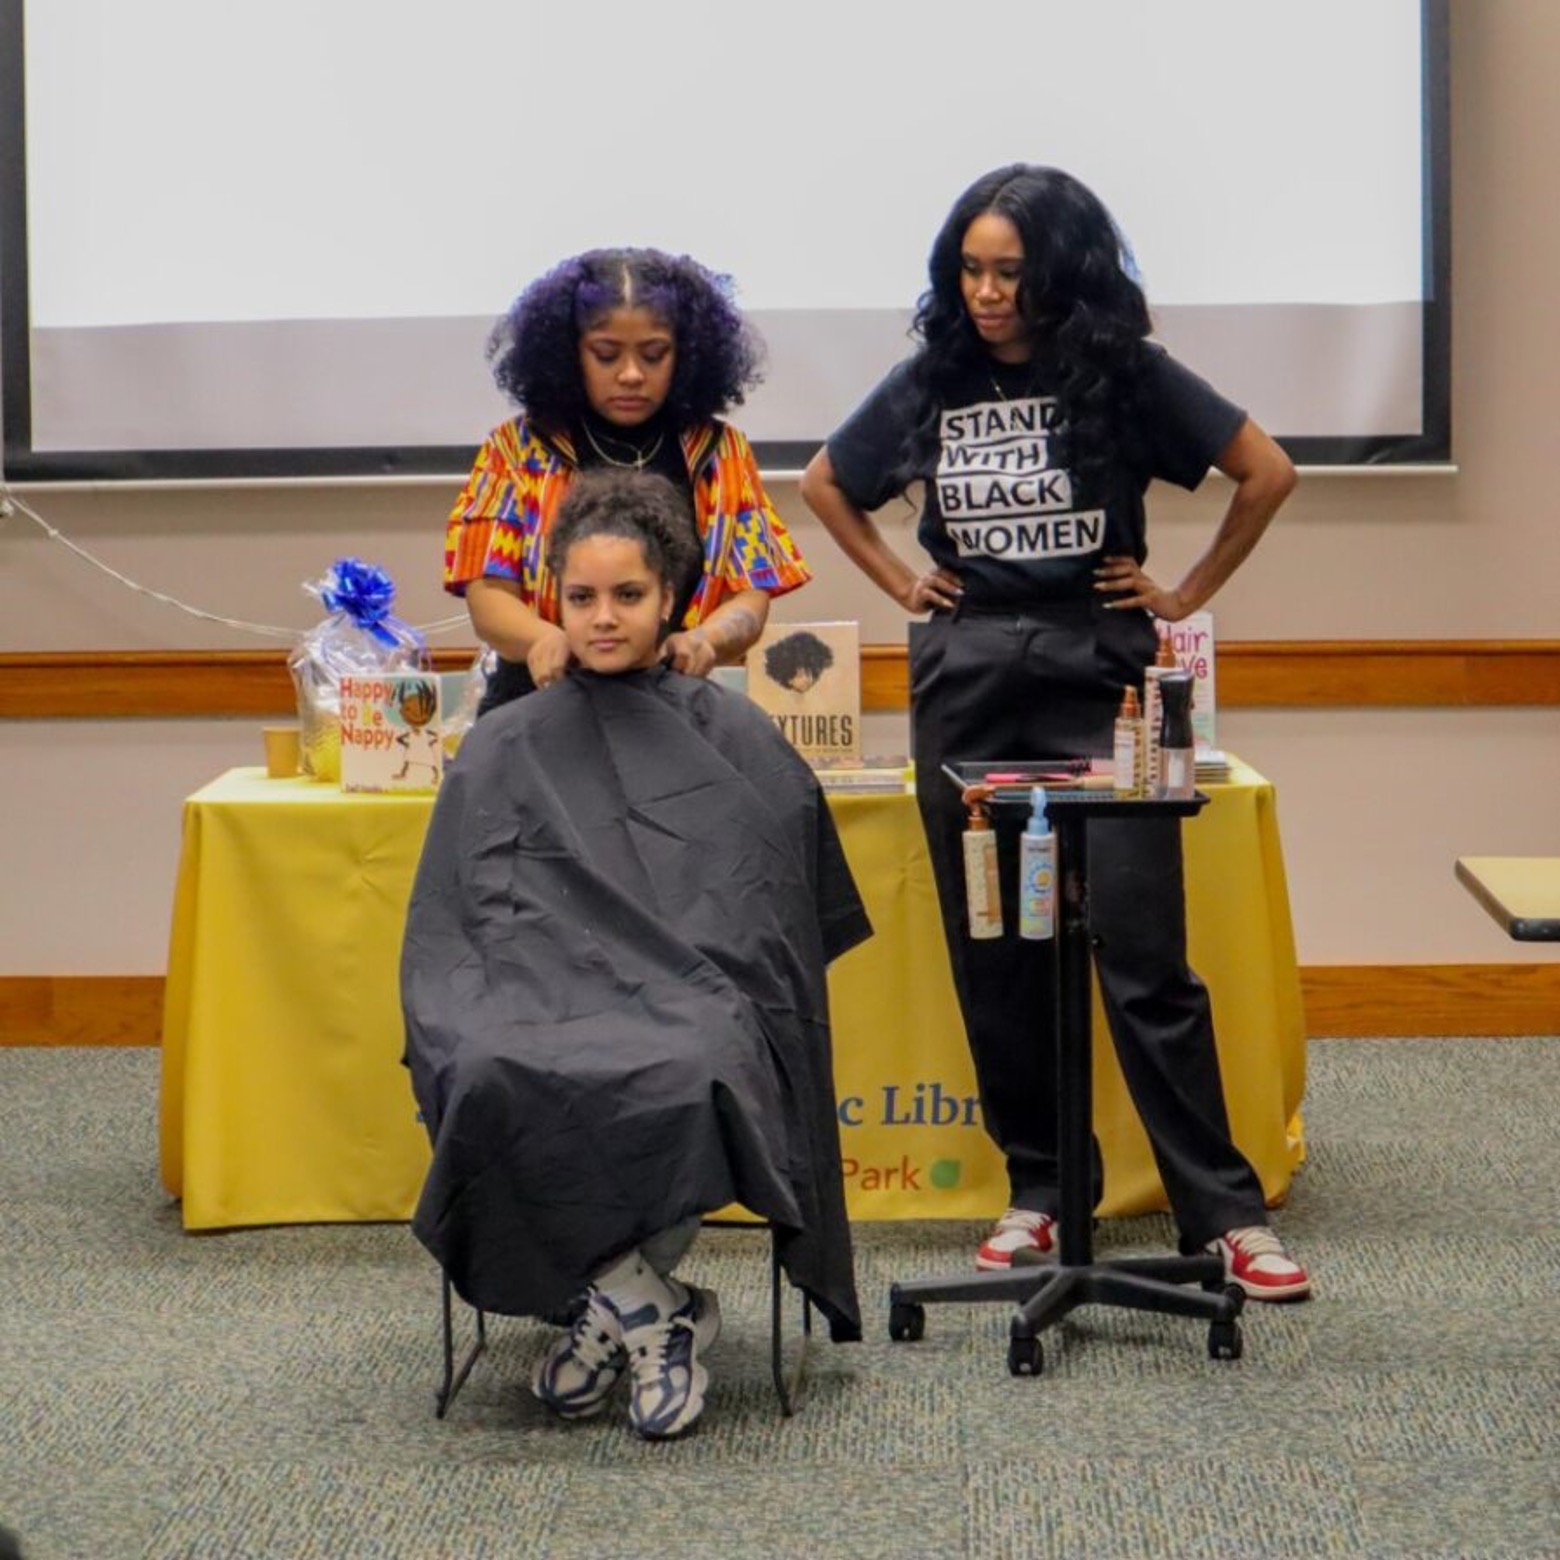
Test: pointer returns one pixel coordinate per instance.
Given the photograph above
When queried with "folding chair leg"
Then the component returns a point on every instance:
(455, 1379)
(788, 1392)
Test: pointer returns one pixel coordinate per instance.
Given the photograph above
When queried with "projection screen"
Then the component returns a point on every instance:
(249, 240)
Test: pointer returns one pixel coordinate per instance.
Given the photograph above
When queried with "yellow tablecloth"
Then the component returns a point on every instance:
(284, 1101)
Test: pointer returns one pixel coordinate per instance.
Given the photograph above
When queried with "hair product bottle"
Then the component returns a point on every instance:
(1177, 746)
(1128, 762)
(1153, 711)
(982, 886)
(1037, 872)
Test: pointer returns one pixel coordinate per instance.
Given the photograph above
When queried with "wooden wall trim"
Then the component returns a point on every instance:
(81, 1009)
(1389, 673)
(1431, 999)
(1318, 673)
(157, 684)
(1340, 1000)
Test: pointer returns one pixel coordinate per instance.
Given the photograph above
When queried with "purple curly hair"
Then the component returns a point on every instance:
(534, 348)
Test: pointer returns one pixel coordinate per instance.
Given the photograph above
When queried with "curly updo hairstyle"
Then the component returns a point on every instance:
(534, 348)
(638, 506)
(1079, 297)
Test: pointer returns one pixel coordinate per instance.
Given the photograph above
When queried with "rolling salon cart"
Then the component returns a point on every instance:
(1045, 1294)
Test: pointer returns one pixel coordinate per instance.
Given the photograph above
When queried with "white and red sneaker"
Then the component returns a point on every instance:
(1022, 1236)
(1255, 1259)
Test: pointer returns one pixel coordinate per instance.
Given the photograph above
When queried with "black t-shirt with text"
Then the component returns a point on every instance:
(1000, 510)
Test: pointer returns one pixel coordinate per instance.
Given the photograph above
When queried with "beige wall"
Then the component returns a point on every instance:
(1374, 804)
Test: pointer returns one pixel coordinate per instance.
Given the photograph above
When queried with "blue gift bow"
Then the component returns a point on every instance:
(364, 592)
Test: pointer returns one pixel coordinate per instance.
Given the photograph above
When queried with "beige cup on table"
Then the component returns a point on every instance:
(281, 751)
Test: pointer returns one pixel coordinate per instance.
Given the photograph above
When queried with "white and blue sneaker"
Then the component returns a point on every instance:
(663, 1346)
(576, 1375)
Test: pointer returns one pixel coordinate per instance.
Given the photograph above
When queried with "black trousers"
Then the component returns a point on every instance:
(1046, 682)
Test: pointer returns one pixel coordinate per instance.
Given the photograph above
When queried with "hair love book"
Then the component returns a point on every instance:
(1192, 641)
(391, 732)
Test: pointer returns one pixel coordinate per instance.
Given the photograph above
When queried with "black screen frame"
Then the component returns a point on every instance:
(20, 462)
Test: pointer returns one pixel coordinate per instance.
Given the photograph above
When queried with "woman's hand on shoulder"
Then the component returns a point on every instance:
(691, 652)
(548, 658)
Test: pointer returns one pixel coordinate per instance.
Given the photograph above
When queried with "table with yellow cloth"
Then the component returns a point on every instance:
(284, 1099)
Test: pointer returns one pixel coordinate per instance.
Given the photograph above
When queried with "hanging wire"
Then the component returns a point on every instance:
(9, 503)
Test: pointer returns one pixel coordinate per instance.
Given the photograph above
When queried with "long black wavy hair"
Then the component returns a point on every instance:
(1078, 295)
(534, 347)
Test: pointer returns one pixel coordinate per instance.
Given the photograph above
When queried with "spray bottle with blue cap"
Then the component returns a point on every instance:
(1037, 872)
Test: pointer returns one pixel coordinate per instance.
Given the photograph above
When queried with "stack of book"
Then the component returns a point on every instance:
(1211, 766)
(883, 776)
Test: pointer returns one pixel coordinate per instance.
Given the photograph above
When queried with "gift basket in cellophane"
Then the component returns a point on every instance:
(360, 636)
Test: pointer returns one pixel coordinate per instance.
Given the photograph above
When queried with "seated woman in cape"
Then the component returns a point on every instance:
(614, 986)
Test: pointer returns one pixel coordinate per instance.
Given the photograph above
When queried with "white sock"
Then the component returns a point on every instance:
(631, 1282)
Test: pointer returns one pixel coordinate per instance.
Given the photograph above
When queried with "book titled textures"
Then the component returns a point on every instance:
(807, 676)
(391, 735)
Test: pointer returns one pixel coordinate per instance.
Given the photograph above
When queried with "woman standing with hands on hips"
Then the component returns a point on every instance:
(618, 358)
(1036, 412)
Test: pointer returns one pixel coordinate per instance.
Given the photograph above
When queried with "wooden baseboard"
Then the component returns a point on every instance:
(1340, 1000)
(1432, 999)
(81, 1009)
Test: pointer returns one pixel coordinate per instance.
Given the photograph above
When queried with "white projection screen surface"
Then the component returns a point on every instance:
(270, 240)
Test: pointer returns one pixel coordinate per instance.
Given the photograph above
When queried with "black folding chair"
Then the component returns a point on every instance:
(787, 1388)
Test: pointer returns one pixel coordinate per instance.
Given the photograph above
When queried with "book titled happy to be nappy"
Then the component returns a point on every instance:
(391, 738)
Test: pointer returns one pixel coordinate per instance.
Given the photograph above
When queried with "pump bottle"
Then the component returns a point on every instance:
(1037, 872)
(982, 887)
(1128, 747)
(1177, 745)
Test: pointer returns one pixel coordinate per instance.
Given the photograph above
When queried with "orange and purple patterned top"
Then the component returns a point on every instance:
(499, 526)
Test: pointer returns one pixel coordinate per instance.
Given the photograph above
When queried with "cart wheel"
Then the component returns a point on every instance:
(906, 1321)
(1026, 1357)
(1224, 1341)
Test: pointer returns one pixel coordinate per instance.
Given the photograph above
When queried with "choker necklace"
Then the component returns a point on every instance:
(641, 458)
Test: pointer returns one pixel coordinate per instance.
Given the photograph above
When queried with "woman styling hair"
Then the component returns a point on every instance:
(622, 358)
(1036, 412)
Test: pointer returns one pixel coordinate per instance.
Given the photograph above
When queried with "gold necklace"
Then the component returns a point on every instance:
(1002, 394)
(642, 458)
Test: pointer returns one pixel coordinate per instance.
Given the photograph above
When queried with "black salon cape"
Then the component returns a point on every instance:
(613, 983)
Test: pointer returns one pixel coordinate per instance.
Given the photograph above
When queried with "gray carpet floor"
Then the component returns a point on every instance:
(268, 1394)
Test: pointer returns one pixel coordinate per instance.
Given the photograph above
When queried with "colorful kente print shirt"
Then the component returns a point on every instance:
(499, 526)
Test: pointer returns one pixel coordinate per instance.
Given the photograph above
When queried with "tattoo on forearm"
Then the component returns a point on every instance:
(736, 626)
